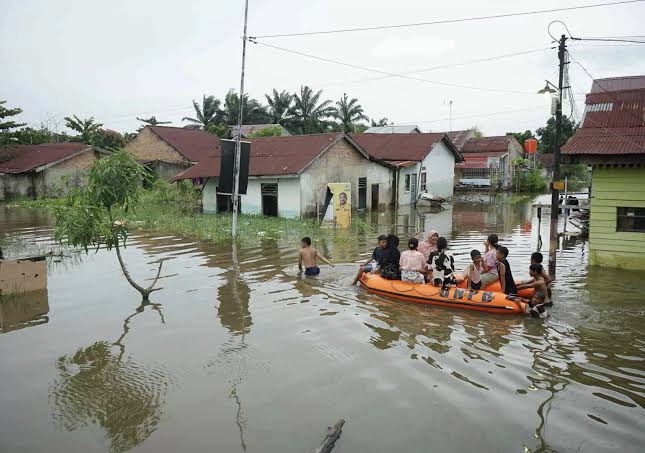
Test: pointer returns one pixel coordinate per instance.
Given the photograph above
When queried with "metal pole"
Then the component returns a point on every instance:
(450, 116)
(238, 138)
(555, 193)
(566, 203)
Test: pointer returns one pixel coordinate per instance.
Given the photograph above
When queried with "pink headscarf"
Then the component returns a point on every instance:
(426, 247)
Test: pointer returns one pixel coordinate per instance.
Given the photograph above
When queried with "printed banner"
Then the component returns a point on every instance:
(341, 203)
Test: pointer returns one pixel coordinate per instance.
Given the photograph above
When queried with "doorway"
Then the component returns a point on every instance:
(362, 193)
(269, 193)
(375, 194)
(225, 203)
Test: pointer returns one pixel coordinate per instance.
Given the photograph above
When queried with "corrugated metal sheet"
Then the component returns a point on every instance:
(400, 147)
(22, 158)
(459, 138)
(496, 143)
(394, 129)
(618, 84)
(193, 144)
(616, 109)
(607, 141)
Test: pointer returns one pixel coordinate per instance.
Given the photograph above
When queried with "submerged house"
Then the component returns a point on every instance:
(167, 151)
(36, 170)
(288, 176)
(488, 161)
(422, 162)
(611, 138)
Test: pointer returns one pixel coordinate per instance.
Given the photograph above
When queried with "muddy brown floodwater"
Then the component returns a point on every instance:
(264, 360)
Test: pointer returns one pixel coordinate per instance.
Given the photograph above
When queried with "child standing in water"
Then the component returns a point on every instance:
(541, 296)
(308, 255)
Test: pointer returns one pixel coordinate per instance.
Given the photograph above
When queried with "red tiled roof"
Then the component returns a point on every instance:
(459, 138)
(496, 143)
(287, 155)
(615, 109)
(23, 158)
(193, 144)
(401, 147)
(618, 84)
(607, 141)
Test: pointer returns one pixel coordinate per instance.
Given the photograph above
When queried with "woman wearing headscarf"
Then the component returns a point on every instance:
(389, 260)
(429, 245)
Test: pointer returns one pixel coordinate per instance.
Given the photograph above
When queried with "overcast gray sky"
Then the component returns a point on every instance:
(120, 59)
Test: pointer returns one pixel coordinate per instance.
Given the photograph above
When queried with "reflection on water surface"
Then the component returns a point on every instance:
(257, 358)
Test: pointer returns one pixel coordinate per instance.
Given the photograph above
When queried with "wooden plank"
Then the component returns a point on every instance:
(22, 276)
(619, 235)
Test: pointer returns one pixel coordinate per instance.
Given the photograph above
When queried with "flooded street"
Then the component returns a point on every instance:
(261, 359)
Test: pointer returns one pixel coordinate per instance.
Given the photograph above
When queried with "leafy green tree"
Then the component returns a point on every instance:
(280, 106)
(7, 136)
(253, 112)
(207, 115)
(380, 123)
(546, 134)
(273, 131)
(88, 218)
(85, 127)
(523, 136)
(348, 111)
(152, 121)
(310, 114)
(220, 130)
(477, 133)
(108, 139)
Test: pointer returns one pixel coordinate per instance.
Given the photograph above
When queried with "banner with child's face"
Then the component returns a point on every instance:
(342, 203)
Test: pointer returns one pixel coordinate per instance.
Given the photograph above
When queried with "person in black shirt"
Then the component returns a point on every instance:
(371, 265)
(389, 261)
(504, 271)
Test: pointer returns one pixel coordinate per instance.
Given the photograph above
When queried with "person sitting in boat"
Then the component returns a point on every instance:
(442, 265)
(371, 265)
(540, 297)
(412, 264)
(537, 258)
(489, 263)
(504, 271)
(473, 272)
(429, 245)
(389, 261)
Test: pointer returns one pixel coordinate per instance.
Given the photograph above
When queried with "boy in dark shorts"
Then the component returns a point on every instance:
(371, 265)
(308, 255)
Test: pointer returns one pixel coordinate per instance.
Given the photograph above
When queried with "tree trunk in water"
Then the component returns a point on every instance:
(145, 292)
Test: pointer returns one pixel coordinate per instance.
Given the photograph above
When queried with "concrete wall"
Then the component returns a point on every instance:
(209, 195)
(613, 187)
(342, 163)
(405, 196)
(167, 171)
(147, 146)
(48, 182)
(440, 168)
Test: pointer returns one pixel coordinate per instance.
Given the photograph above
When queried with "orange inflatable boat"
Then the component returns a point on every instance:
(487, 301)
(497, 288)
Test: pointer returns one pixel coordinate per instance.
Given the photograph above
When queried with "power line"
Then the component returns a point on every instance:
(609, 40)
(446, 21)
(389, 74)
(483, 115)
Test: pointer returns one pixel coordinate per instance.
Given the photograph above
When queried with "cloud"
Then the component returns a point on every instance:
(429, 46)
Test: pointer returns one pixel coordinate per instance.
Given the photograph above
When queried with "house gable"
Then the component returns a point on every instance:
(148, 146)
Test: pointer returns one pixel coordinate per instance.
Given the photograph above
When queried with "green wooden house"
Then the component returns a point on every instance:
(611, 139)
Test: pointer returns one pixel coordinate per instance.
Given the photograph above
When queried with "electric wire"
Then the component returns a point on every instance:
(445, 21)
(389, 74)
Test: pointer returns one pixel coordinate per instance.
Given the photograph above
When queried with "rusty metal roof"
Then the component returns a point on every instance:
(24, 158)
(193, 144)
(618, 84)
(496, 143)
(615, 109)
(607, 141)
(459, 138)
(403, 147)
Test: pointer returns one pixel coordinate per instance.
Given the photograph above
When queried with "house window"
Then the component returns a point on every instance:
(630, 219)
(407, 183)
(423, 182)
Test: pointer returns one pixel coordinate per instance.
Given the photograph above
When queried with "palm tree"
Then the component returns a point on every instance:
(87, 127)
(380, 123)
(152, 121)
(209, 114)
(253, 113)
(348, 112)
(280, 106)
(310, 114)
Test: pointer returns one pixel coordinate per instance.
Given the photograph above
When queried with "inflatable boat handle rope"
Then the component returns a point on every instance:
(413, 289)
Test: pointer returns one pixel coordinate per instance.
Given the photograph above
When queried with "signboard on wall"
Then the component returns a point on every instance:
(227, 163)
(341, 205)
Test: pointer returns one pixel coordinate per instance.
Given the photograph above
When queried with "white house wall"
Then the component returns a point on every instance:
(342, 163)
(209, 196)
(439, 166)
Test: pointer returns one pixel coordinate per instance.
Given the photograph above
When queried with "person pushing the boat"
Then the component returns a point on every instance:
(536, 258)
(308, 256)
(371, 265)
(540, 297)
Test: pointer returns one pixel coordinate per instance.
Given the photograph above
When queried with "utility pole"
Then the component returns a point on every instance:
(238, 138)
(555, 192)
